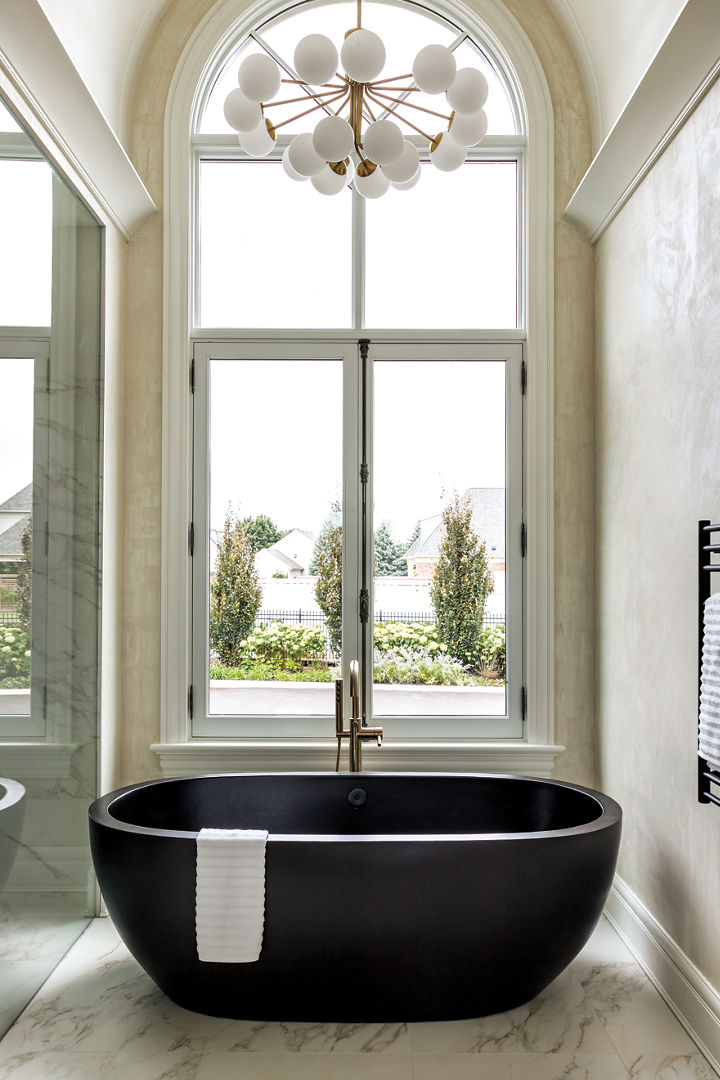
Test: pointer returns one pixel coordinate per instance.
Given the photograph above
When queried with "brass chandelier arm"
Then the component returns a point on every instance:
(303, 82)
(404, 119)
(322, 104)
(395, 78)
(303, 97)
(409, 105)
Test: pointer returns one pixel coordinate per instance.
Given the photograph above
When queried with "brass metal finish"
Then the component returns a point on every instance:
(357, 732)
(366, 168)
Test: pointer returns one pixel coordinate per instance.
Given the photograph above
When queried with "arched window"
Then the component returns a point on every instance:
(358, 373)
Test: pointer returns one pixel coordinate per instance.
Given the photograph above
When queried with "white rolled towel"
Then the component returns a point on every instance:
(230, 895)
(709, 743)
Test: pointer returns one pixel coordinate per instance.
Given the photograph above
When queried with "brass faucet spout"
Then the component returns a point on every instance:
(357, 732)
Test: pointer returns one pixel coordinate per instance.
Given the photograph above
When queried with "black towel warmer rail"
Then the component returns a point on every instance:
(707, 776)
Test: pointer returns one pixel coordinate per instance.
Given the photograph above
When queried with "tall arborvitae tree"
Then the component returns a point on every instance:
(462, 583)
(23, 588)
(389, 560)
(235, 592)
(327, 564)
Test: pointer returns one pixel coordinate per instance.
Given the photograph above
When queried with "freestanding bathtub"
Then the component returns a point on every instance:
(12, 812)
(389, 896)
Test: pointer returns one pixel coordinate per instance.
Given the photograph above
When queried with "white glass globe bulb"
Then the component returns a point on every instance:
(259, 77)
(258, 142)
(468, 91)
(329, 182)
(434, 69)
(373, 185)
(407, 184)
(383, 142)
(448, 155)
(292, 173)
(468, 128)
(303, 157)
(404, 167)
(316, 59)
(363, 55)
(240, 112)
(333, 138)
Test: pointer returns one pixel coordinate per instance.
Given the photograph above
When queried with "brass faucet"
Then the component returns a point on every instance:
(358, 731)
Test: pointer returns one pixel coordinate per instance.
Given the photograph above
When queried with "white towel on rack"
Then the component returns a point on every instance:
(709, 742)
(230, 895)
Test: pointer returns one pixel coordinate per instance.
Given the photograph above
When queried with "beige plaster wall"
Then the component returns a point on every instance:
(658, 449)
(574, 670)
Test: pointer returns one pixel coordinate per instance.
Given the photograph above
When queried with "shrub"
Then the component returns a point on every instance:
(327, 564)
(263, 671)
(492, 649)
(14, 658)
(284, 645)
(393, 636)
(420, 666)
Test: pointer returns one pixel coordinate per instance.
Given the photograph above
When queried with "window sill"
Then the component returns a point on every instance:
(206, 756)
(36, 760)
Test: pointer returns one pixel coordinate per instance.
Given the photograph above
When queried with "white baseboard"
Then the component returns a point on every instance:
(695, 1002)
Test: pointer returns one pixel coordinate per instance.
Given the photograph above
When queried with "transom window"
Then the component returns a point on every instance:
(357, 412)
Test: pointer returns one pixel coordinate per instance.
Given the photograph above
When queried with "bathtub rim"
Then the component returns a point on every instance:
(610, 811)
(14, 793)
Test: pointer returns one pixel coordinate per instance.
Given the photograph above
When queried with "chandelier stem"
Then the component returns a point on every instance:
(409, 105)
(359, 14)
(404, 119)
(322, 105)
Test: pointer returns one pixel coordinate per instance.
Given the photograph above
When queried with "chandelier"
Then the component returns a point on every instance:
(356, 141)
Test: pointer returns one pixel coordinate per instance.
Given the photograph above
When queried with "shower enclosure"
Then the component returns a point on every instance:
(50, 394)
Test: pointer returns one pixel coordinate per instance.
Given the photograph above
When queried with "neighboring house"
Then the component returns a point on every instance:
(291, 555)
(15, 514)
(488, 521)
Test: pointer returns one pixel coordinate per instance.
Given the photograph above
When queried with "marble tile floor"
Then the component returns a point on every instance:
(36, 931)
(99, 1017)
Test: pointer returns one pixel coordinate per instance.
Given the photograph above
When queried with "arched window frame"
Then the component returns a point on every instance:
(507, 43)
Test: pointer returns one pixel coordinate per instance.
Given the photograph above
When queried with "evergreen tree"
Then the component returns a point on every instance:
(327, 564)
(23, 588)
(414, 535)
(235, 593)
(261, 531)
(461, 584)
(389, 560)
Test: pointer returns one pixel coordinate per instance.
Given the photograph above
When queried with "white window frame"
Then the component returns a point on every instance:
(179, 752)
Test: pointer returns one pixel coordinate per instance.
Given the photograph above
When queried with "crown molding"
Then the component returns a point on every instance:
(44, 88)
(680, 74)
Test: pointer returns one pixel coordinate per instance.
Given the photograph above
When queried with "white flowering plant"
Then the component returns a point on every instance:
(14, 658)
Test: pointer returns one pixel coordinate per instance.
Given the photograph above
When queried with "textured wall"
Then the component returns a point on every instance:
(658, 449)
(574, 671)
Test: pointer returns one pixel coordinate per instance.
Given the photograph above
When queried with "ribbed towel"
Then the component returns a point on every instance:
(709, 746)
(230, 895)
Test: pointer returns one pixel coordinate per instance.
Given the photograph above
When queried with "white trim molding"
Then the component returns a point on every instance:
(206, 756)
(42, 85)
(680, 74)
(695, 1002)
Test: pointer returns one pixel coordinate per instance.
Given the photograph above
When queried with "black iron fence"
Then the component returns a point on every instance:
(316, 618)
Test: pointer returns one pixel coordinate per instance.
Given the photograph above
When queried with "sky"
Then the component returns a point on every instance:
(276, 443)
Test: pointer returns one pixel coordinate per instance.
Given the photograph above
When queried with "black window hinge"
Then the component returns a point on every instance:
(364, 605)
(523, 378)
(192, 376)
(190, 701)
(47, 539)
(523, 540)
(523, 702)
(191, 539)
(364, 473)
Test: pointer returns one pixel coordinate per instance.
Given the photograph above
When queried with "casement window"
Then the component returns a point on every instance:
(359, 365)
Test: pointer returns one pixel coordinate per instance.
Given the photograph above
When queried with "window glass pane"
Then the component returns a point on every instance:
(275, 536)
(273, 253)
(16, 471)
(7, 120)
(440, 524)
(453, 240)
(26, 247)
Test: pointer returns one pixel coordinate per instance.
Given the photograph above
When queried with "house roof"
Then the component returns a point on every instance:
(488, 521)
(19, 503)
(10, 539)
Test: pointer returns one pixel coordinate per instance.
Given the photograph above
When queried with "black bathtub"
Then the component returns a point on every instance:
(389, 896)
